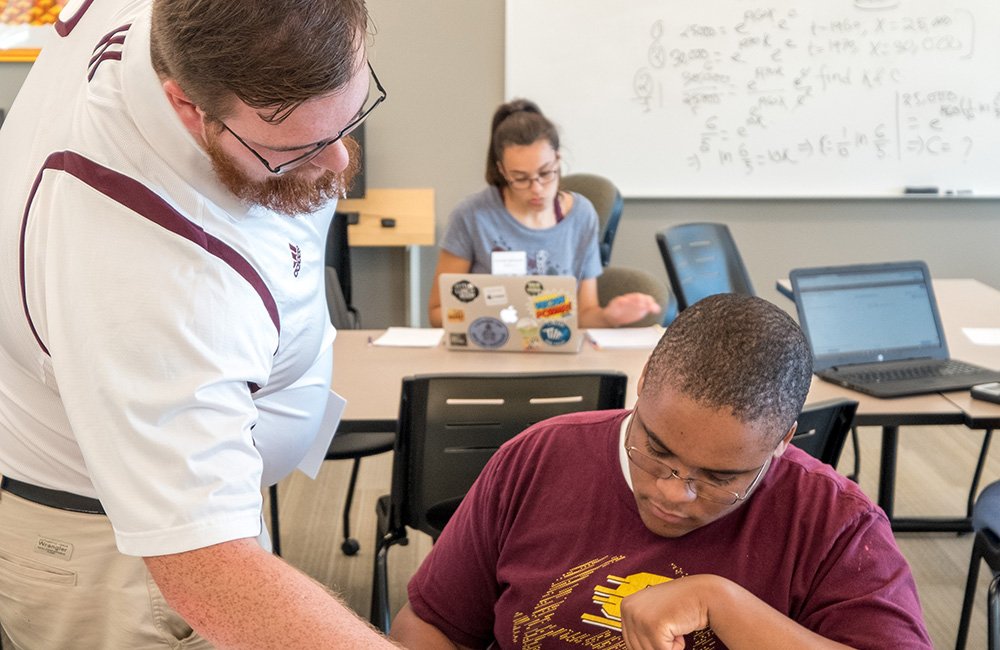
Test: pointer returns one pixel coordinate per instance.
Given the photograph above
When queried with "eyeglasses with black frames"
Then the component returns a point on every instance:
(543, 178)
(701, 488)
(317, 148)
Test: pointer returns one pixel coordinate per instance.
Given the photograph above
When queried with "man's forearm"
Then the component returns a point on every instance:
(237, 595)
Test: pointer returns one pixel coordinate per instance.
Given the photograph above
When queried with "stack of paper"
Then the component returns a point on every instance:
(625, 337)
(410, 337)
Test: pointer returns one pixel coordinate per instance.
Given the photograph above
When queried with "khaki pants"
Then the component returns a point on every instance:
(63, 584)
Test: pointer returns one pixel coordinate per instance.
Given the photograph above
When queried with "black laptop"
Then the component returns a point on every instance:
(875, 328)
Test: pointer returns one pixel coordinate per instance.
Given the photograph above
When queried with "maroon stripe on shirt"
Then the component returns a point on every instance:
(102, 47)
(107, 56)
(110, 36)
(64, 28)
(144, 202)
(101, 53)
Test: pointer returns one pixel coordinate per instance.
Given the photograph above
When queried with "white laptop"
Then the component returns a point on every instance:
(510, 313)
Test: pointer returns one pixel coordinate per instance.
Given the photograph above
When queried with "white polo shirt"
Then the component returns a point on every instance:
(163, 347)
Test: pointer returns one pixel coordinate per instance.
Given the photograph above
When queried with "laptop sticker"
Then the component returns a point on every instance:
(554, 332)
(455, 315)
(527, 328)
(459, 339)
(533, 287)
(495, 295)
(552, 305)
(488, 332)
(464, 291)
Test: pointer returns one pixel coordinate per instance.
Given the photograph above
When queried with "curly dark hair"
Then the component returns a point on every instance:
(735, 352)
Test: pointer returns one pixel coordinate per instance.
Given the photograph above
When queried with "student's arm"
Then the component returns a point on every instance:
(622, 310)
(237, 595)
(658, 617)
(447, 263)
(413, 632)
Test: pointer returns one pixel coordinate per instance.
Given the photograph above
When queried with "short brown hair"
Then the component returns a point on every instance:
(269, 54)
(518, 122)
(736, 352)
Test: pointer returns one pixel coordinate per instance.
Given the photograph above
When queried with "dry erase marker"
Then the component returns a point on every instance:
(925, 189)
(958, 192)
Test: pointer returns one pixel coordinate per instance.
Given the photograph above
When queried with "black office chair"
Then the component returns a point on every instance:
(449, 427)
(702, 260)
(338, 253)
(823, 428)
(607, 201)
(348, 444)
(985, 547)
(618, 280)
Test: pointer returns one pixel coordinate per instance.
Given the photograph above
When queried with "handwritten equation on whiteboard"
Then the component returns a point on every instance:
(778, 87)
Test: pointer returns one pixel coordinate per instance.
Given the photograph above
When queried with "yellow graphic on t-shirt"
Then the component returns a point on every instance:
(610, 599)
(532, 628)
(601, 630)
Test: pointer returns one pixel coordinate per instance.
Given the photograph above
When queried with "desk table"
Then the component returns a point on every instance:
(370, 378)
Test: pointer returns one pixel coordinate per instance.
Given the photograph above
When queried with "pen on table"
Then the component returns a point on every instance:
(922, 189)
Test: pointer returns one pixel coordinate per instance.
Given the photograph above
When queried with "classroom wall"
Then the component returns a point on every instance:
(442, 64)
(957, 238)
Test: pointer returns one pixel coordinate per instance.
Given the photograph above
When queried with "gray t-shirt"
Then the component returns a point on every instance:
(481, 224)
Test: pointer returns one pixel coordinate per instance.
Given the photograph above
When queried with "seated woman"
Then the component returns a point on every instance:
(523, 210)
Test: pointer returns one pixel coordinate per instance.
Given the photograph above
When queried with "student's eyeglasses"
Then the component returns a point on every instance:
(544, 177)
(699, 487)
(315, 149)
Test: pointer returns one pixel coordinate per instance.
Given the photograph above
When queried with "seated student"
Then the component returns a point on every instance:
(755, 545)
(523, 210)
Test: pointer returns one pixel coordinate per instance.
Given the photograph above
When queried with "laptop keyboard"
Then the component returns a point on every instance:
(950, 368)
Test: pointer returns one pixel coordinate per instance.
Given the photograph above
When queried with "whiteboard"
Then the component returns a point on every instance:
(732, 98)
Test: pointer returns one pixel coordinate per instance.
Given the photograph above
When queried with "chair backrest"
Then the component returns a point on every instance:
(607, 201)
(618, 280)
(702, 260)
(823, 427)
(451, 424)
(342, 315)
(338, 253)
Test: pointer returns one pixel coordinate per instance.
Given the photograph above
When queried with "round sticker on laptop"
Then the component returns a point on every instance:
(464, 291)
(533, 287)
(554, 332)
(488, 332)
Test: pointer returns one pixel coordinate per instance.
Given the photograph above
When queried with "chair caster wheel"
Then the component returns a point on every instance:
(350, 546)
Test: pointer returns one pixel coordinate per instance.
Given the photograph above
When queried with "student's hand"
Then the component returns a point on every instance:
(630, 307)
(658, 617)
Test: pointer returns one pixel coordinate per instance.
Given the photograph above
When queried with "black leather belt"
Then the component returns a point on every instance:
(52, 498)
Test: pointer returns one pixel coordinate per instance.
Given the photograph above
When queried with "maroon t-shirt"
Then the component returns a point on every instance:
(549, 540)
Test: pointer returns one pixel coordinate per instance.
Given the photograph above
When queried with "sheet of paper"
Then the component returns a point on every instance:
(410, 337)
(983, 335)
(313, 459)
(625, 337)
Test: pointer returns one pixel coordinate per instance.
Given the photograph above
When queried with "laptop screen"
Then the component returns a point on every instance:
(868, 313)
